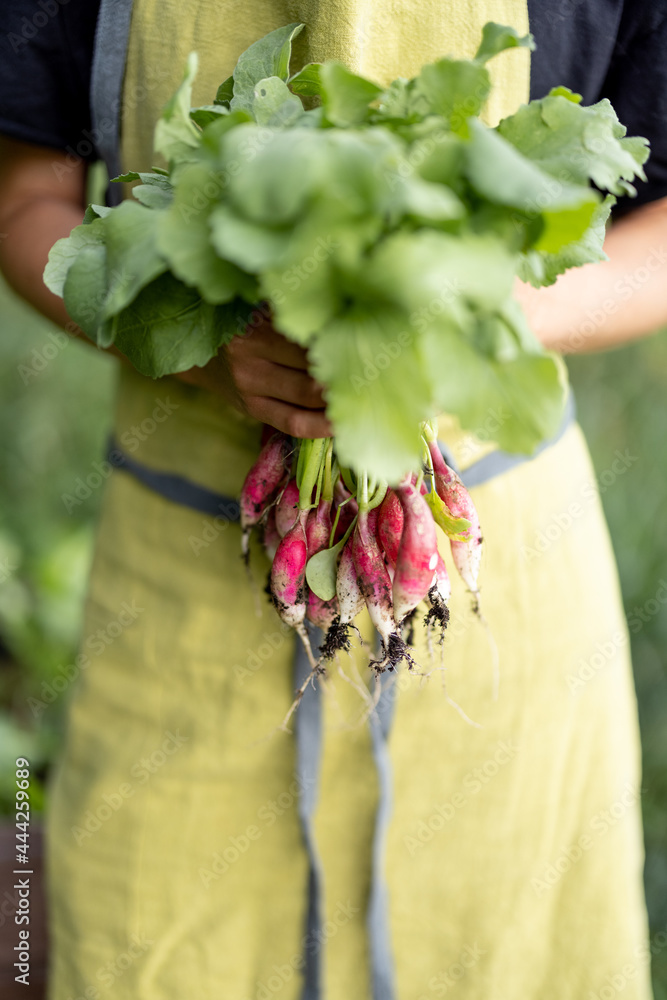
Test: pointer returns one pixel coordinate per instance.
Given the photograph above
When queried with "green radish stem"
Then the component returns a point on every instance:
(308, 473)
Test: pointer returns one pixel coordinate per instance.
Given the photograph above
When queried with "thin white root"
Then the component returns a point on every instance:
(362, 690)
(305, 639)
(429, 641)
(310, 679)
(454, 704)
(375, 698)
(449, 699)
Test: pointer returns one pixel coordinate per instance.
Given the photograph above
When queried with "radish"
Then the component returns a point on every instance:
(441, 584)
(417, 554)
(321, 613)
(348, 592)
(288, 574)
(318, 527)
(390, 526)
(262, 482)
(287, 508)
(350, 604)
(375, 585)
(467, 556)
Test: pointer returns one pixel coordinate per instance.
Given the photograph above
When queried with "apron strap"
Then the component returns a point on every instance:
(106, 85)
(176, 488)
(377, 918)
(308, 736)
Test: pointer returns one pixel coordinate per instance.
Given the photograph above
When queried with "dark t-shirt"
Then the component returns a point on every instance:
(599, 48)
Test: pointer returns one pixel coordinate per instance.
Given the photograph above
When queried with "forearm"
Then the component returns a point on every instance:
(31, 231)
(38, 205)
(607, 304)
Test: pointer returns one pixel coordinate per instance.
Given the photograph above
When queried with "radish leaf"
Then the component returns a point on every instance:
(270, 56)
(176, 135)
(497, 38)
(345, 96)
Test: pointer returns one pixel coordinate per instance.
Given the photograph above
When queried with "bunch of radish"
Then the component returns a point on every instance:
(339, 543)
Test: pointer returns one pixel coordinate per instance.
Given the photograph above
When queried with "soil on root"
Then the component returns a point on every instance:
(337, 638)
(437, 614)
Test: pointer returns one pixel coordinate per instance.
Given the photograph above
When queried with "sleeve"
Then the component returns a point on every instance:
(46, 51)
(636, 85)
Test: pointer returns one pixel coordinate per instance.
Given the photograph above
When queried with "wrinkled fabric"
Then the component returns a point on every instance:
(175, 860)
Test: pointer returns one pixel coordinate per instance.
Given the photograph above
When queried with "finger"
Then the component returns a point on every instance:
(267, 343)
(291, 420)
(285, 384)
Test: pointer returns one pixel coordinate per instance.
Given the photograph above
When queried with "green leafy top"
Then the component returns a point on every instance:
(384, 227)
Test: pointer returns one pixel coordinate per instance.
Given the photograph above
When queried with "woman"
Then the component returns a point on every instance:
(189, 854)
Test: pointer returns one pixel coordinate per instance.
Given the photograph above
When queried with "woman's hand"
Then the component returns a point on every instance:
(266, 376)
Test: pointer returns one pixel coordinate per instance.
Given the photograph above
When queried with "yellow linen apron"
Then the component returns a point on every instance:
(175, 861)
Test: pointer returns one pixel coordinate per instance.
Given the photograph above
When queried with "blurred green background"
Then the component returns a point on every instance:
(55, 406)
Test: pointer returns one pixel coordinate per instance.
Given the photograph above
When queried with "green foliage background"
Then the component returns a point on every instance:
(54, 416)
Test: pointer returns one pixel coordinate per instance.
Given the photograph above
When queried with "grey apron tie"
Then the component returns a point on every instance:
(106, 85)
(308, 732)
(377, 918)
(178, 489)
